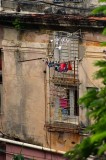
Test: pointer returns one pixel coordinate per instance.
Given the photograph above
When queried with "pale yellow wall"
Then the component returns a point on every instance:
(24, 90)
(93, 52)
(24, 95)
(24, 86)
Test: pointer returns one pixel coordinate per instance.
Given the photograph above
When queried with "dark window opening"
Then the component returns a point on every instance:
(76, 106)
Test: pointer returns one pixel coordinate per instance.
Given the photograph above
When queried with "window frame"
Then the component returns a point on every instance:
(61, 116)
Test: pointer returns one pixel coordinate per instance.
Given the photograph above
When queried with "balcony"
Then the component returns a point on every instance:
(65, 81)
(62, 127)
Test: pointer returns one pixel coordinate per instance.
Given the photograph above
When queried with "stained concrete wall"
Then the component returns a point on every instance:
(96, 2)
(87, 69)
(24, 90)
(39, 7)
(24, 86)
(24, 96)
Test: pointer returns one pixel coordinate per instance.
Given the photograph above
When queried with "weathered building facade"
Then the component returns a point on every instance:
(47, 64)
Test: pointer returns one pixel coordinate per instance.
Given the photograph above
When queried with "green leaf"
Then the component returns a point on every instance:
(99, 9)
(98, 137)
(18, 157)
(103, 43)
(102, 0)
(104, 31)
(102, 149)
(95, 103)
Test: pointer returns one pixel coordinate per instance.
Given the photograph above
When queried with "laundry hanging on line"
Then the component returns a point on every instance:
(60, 67)
(63, 103)
(64, 111)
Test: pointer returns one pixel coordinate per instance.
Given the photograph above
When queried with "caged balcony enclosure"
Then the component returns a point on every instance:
(63, 80)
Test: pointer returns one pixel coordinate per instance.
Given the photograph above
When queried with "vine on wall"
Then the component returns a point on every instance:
(17, 24)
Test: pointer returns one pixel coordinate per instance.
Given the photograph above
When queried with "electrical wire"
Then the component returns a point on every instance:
(88, 76)
(10, 27)
(32, 59)
(64, 15)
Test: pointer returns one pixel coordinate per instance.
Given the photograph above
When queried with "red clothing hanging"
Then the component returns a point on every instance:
(69, 66)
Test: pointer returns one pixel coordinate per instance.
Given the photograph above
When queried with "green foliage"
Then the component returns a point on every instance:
(17, 24)
(103, 43)
(18, 157)
(98, 10)
(101, 9)
(104, 31)
(95, 102)
(102, 0)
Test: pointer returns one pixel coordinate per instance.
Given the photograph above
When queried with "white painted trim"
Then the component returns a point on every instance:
(31, 146)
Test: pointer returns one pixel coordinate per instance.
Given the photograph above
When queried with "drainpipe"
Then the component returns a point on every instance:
(31, 146)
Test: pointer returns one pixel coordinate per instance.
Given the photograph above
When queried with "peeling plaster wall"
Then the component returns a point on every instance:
(24, 96)
(35, 7)
(64, 141)
(96, 2)
(93, 52)
(24, 93)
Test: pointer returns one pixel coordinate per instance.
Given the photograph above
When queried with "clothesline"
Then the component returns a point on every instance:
(60, 67)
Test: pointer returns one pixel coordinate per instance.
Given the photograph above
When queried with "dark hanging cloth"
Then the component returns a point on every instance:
(69, 66)
(56, 67)
(50, 64)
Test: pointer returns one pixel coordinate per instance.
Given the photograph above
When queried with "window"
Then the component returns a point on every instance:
(66, 106)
